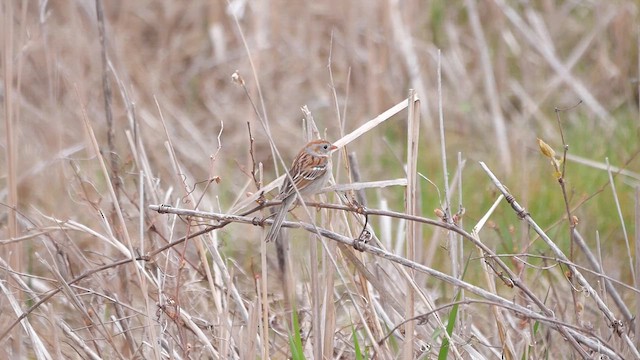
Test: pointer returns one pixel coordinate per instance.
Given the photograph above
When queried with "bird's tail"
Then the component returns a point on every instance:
(280, 216)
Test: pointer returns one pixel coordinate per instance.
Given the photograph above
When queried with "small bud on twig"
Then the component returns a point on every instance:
(546, 150)
(236, 78)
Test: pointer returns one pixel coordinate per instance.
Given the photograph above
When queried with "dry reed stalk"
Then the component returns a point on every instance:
(13, 251)
(248, 335)
(315, 293)
(328, 309)
(447, 200)
(327, 330)
(145, 177)
(637, 253)
(637, 208)
(411, 199)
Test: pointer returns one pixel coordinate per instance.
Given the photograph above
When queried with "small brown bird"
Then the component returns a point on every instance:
(310, 171)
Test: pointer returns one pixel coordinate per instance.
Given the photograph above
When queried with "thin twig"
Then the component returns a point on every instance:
(563, 187)
(253, 158)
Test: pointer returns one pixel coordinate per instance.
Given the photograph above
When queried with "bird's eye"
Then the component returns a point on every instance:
(325, 146)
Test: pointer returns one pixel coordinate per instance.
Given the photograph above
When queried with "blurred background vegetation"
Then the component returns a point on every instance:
(506, 65)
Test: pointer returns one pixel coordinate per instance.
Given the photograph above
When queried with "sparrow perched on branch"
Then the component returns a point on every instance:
(310, 171)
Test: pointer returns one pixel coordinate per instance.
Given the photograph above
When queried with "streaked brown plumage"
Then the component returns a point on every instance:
(310, 171)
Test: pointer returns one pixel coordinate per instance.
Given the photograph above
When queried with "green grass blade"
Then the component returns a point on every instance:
(295, 341)
(356, 344)
(453, 315)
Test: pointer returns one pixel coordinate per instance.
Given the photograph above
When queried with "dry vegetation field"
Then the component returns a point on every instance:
(141, 142)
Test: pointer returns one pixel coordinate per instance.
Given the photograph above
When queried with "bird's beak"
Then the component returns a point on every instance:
(333, 147)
